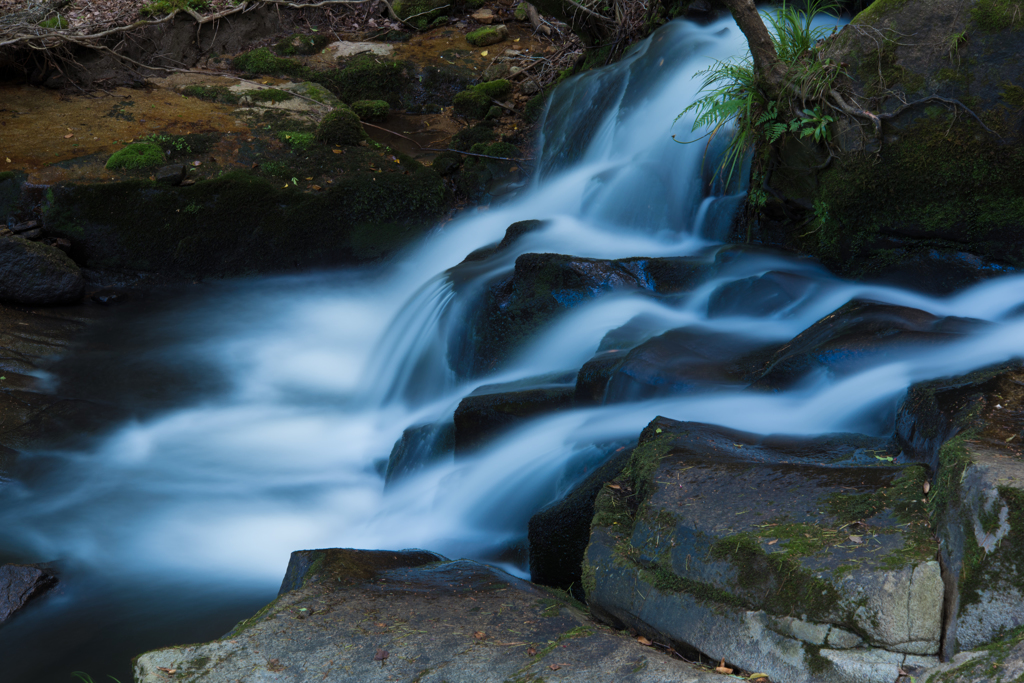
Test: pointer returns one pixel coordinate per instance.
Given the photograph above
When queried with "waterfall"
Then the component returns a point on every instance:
(190, 510)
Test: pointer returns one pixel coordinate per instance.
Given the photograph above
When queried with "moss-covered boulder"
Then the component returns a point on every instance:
(487, 35)
(341, 127)
(932, 180)
(373, 111)
(302, 44)
(37, 274)
(809, 559)
(420, 13)
(968, 429)
(474, 102)
(137, 156)
(365, 77)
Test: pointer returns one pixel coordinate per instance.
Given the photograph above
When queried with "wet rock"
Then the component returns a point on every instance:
(512, 234)
(776, 553)
(674, 363)
(32, 235)
(856, 335)
(37, 274)
(558, 534)
(495, 71)
(483, 16)
(542, 285)
(432, 620)
(489, 412)
(968, 429)
(761, 295)
(27, 226)
(488, 35)
(20, 584)
(420, 446)
(172, 174)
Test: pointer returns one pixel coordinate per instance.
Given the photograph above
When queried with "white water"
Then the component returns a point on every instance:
(318, 376)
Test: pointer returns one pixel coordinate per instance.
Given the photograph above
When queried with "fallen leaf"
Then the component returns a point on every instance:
(382, 625)
(308, 178)
(197, 163)
(531, 651)
(614, 486)
(8, 160)
(927, 487)
(856, 539)
(773, 541)
(757, 677)
(316, 187)
(166, 670)
(554, 667)
(516, 40)
(642, 640)
(484, 53)
(336, 151)
(722, 668)
(380, 656)
(69, 135)
(479, 635)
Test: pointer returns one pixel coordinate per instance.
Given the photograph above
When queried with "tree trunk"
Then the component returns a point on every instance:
(766, 60)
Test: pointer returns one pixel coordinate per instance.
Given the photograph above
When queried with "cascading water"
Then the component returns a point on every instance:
(178, 523)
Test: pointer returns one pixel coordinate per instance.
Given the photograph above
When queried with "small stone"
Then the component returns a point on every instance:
(495, 71)
(171, 174)
(483, 16)
(37, 274)
(488, 35)
(530, 87)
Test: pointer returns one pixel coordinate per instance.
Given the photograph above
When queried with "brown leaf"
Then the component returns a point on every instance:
(927, 487)
(554, 667)
(380, 656)
(773, 541)
(642, 640)
(336, 151)
(316, 187)
(615, 486)
(722, 668)
(382, 625)
(166, 670)
(479, 635)
(69, 135)
(531, 651)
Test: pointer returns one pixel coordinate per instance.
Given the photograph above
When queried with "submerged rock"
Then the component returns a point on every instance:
(362, 615)
(809, 559)
(37, 274)
(969, 430)
(20, 584)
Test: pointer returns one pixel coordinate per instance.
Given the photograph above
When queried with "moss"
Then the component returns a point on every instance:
(880, 70)
(817, 663)
(296, 140)
(466, 138)
(474, 102)
(447, 163)
(364, 78)
(6, 175)
(373, 111)
(998, 15)
(301, 44)
(159, 8)
(268, 95)
(484, 36)
(211, 93)
(595, 57)
(262, 61)
(980, 569)
(422, 12)
(136, 156)
(340, 127)
(520, 13)
(246, 624)
(876, 11)
(943, 180)
(58, 21)
(1014, 95)
(534, 109)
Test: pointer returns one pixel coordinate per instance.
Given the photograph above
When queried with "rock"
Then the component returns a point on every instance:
(856, 335)
(529, 87)
(559, 533)
(476, 101)
(754, 549)
(19, 584)
(520, 12)
(488, 35)
(489, 412)
(32, 234)
(967, 429)
(37, 274)
(762, 295)
(512, 235)
(482, 16)
(495, 71)
(341, 127)
(420, 12)
(170, 175)
(674, 363)
(542, 285)
(432, 620)
(373, 111)
(420, 445)
(24, 227)
(951, 167)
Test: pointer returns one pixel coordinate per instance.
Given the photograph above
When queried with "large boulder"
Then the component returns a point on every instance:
(37, 274)
(493, 410)
(933, 181)
(809, 559)
(364, 615)
(968, 429)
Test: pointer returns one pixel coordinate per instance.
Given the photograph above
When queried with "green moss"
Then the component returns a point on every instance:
(268, 95)
(340, 127)
(466, 138)
(159, 8)
(296, 140)
(421, 12)
(1014, 95)
(880, 70)
(817, 663)
(595, 57)
(262, 61)
(364, 78)
(373, 111)
(484, 36)
(136, 156)
(6, 175)
(58, 21)
(534, 109)
(211, 93)
(876, 11)
(301, 44)
(474, 102)
(998, 15)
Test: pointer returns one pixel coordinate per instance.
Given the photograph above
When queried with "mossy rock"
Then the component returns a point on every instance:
(302, 44)
(341, 127)
(447, 163)
(365, 78)
(212, 93)
(373, 111)
(487, 35)
(264, 62)
(420, 13)
(475, 102)
(137, 156)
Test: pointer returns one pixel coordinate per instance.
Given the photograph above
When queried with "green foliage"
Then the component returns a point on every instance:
(998, 15)
(268, 95)
(296, 140)
(732, 92)
(137, 156)
(58, 21)
(475, 102)
(211, 93)
(263, 62)
(164, 7)
(341, 127)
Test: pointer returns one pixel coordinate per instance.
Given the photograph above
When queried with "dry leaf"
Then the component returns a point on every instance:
(927, 487)
(642, 640)
(479, 635)
(69, 135)
(316, 187)
(722, 668)
(336, 151)
(8, 160)
(856, 539)
(382, 625)
(758, 677)
(484, 53)
(380, 656)
(197, 163)
(166, 670)
(614, 486)
(531, 651)
(554, 667)
(308, 178)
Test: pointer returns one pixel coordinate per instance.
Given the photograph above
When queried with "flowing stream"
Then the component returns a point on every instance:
(264, 410)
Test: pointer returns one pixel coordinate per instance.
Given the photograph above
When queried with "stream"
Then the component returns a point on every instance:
(263, 411)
